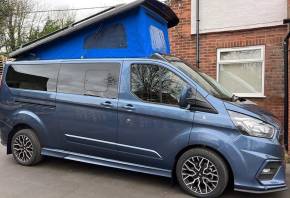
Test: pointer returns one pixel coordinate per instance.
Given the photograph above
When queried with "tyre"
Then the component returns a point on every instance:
(26, 148)
(202, 173)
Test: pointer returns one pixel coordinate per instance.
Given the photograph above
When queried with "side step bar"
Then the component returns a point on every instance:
(105, 162)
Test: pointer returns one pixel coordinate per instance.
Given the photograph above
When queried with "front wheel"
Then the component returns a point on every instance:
(26, 147)
(202, 173)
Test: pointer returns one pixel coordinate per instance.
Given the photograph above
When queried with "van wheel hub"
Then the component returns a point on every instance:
(200, 175)
(23, 148)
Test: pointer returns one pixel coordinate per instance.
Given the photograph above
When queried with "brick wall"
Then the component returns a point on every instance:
(183, 45)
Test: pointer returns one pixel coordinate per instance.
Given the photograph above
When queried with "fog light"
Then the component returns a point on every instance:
(269, 171)
(266, 171)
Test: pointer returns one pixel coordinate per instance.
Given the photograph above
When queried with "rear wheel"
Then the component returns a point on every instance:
(26, 147)
(202, 173)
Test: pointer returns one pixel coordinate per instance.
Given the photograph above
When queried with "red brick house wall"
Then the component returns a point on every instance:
(183, 45)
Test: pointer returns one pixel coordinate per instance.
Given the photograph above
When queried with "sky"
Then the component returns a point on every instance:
(55, 4)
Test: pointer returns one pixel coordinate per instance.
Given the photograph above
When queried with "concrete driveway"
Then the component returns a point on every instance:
(56, 178)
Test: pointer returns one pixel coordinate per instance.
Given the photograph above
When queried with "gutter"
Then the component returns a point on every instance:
(197, 34)
(286, 87)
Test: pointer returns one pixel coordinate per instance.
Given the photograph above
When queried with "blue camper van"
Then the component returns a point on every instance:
(105, 91)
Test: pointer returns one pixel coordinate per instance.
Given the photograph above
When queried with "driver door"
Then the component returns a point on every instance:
(152, 126)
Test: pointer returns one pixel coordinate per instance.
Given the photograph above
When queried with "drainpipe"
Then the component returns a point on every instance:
(286, 88)
(197, 35)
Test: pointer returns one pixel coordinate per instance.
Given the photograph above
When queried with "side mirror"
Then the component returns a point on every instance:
(192, 100)
(187, 97)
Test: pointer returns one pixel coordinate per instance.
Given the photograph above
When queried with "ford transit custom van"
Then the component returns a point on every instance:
(152, 115)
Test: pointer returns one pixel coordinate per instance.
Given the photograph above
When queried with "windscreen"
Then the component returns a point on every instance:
(204, 80)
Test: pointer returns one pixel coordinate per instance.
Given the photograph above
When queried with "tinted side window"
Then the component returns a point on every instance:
(71, 79)
(102, 82)
(94, 79)
(113, 36)
(156, 84)
(33, 77)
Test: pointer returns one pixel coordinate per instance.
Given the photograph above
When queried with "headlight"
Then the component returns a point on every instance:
(252, 126)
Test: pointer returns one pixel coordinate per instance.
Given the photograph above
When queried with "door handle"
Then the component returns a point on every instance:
(107, 104)
(129, 107)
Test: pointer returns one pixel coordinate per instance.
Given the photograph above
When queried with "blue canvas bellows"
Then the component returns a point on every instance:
(138, 29)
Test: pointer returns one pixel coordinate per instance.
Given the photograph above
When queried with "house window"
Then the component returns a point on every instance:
(241, 70)
(229, 15)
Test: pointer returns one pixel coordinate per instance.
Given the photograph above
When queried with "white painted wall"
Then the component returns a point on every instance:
(226, 15)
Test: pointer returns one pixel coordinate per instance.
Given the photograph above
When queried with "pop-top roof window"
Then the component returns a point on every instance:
(157, 39)
(113, 36)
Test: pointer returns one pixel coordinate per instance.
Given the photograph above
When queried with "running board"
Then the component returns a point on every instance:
(105, 162)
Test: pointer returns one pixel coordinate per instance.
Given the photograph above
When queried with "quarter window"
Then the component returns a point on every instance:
(241, 70)
(33, 77)
(156, 84)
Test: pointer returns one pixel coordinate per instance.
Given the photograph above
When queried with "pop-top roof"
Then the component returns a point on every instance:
(154, 6)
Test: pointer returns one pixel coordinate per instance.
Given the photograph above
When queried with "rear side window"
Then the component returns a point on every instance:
(93, 79)
(33, 77)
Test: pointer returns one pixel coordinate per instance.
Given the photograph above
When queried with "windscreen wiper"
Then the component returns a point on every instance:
(237, 98)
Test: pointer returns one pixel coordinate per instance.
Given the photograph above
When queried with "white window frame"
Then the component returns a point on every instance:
(270, 13)
(262, 60)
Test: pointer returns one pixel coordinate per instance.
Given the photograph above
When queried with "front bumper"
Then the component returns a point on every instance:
(252, 157)
(264, 190)
(275, 184)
